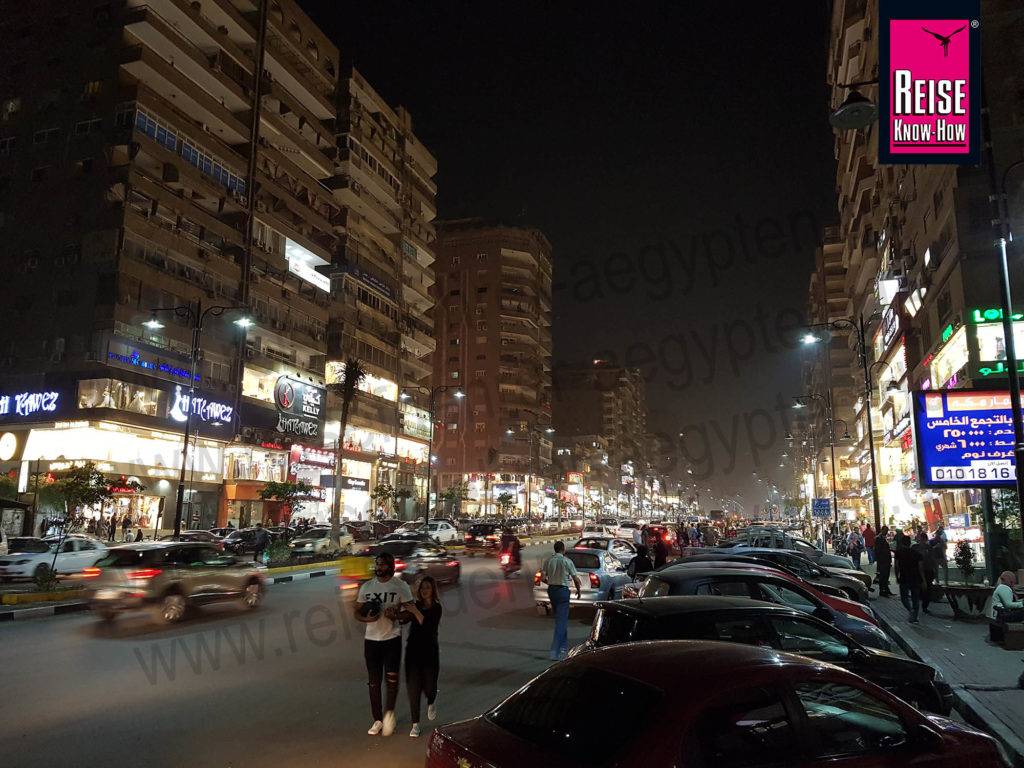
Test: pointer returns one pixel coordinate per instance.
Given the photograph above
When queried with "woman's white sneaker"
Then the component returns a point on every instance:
(415, 730)
(432, 712)
(389, 723)
(375, 728)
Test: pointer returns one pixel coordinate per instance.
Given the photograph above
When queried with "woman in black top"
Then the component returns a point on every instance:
(422, 654)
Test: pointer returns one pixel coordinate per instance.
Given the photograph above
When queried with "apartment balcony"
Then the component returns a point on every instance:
(315, 160)
(516, 278)
(418, 367)
(204, 23)
(525, 310)
(304, 83)
(417, 293)
(354, 195)
(272, 359)
(350, 164)
(417, 341)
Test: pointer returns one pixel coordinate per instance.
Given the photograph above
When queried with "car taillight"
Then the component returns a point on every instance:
(668, 537)
(505, 558)
(492, 538)
(580, 546)
(452, 563)
(469, 537)
(143, 573)
(595, 581)
(400, 565)
(536, 578)
(90, 573)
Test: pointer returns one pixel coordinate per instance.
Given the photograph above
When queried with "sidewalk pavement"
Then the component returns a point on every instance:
(983, 675)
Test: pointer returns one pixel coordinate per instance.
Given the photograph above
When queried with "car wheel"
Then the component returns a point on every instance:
(41, 571)
(252, 596)
(107, 615)
(172, 608)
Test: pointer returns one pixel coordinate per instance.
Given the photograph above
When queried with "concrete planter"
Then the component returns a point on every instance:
(968, 601)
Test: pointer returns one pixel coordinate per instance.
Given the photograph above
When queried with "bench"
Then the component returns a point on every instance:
(1009, 635)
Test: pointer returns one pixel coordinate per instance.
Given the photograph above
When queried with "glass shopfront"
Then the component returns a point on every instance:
(246, 462)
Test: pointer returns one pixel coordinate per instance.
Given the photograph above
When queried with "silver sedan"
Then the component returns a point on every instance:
(601, 574)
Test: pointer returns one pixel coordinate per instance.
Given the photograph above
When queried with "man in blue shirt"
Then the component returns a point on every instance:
(558, 572)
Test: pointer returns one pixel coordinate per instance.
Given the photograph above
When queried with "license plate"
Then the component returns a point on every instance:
(107, 594)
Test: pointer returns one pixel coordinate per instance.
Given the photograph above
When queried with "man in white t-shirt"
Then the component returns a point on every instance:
(379, 602)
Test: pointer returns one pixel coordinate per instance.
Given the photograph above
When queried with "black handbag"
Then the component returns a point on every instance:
(1009, 615)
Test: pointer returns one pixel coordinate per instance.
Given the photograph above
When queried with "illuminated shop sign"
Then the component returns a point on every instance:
(300, 407)
(301, 263)
(890, 326)
(354, 483)
(306, 457)
(26, 404)
(950, 360)
(964, 439)
(991, 341)
(574, 478)
(135, 360)
(370, 281)
(202, 409)
(991, 315)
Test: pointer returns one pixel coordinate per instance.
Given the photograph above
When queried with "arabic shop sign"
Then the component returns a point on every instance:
(301, 407)
(964, 439)
(25, 404)
(202, 409)
(134, 360)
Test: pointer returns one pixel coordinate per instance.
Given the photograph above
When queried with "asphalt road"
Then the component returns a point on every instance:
(284, 686)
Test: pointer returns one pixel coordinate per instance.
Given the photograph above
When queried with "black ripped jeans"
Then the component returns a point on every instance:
(383, 658)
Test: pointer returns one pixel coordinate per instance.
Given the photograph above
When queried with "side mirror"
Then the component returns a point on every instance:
(929, 739)
(823, 613)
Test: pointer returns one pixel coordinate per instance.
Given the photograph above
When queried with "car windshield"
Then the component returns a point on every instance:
(584, 560)
(612, 627)
(655, 587)
(553, 713)
(397, 548)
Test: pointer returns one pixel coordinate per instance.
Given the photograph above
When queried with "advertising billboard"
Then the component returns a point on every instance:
(301, 407)
(964, 439)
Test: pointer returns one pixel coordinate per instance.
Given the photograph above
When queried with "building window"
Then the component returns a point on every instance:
(481, 374)
(6, 145)
(38, 174)
(481, 339)
(455, 261)
(481, 325)
(481, 357)
(91, 90)
(451, 426)
(89, 126)
(42, 137)
(454, 374)
(454, 342)
(482, 289)
(10, 107)
(453, 292)
(450, 462)
(83, 166)
(480, 426)
(481, 257)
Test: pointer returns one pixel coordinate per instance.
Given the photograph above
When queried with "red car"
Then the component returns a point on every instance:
(692, 704)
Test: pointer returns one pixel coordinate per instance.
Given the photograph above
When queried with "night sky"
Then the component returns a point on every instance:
(677, 155)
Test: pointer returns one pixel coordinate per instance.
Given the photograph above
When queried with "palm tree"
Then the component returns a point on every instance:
(344, 387)
(505, 503)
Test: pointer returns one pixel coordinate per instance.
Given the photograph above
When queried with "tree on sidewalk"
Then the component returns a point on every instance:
(292, 495)
(344, 387)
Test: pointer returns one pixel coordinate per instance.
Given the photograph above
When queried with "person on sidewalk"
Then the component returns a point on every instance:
(939, 542)
(261, 539)
(928, 564)
(422, 652)
(1002, 598)
(558, 572)
(883, 561)
(909, 575)
(855, 546)
(378, 605)
(869, 542)
(640, 564)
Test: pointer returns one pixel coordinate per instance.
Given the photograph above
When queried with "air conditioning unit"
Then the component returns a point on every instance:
(242, 200)
(261, 206)
(247, 432)
(319, 337)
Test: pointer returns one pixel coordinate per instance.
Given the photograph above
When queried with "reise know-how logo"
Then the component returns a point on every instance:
(930, 82)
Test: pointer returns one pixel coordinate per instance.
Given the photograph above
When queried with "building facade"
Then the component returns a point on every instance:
(921, 267)
(493, 329)
(142, 173)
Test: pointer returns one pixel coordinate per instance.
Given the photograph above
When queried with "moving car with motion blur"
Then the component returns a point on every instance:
(415, 558)
(601, 574)
(760, 583)
(752, 622)
(205, 537)
(482, 537)
(317, 541)
(688, 704)
(621, 548)
(169, 578)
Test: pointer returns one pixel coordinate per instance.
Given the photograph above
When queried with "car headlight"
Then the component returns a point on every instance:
(21, 562)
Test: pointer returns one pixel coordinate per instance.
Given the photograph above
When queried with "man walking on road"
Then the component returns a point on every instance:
(909, 575)
(378, 604)
(869, 542)
(260, 541)
(558, 572)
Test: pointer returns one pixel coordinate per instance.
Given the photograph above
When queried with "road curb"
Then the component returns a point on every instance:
(17, 598)
(964, 702)
(47, 610)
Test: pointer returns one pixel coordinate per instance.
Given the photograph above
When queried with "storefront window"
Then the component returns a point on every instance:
(368, 442)
(373, 385)
(950, 359)
(351, 468)
(248, 463)
(992, 340)
(111, 393)
(259, 384)
(412, 451)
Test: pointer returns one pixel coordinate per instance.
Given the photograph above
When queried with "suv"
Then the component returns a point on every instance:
(168, 578)
(483, 537)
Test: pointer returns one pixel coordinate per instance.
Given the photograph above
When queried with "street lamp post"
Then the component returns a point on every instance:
(830, 423)
(197, 315)
(859, 328)
(431, 393)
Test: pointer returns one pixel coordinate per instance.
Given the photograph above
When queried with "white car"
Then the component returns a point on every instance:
(443, 531)
(602, 531)
(317, 541)
(76, 553)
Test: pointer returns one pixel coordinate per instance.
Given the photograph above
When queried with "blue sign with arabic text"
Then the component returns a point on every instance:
(964, 439)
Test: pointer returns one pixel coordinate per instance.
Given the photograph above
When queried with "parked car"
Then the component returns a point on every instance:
(602, 576)
(482, 537)
(625, 528)
(168, 578)
(75, 553)
(823, 579)
(597, 529)
(205, 537)
(240, 541)
(417, 558)
(753, 622)
(317, 541)
(621, 548)
(772, 586)
(443, 532)
(706, 705)
(771, 537)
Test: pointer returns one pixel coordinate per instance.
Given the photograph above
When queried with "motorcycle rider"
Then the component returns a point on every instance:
(510, 544)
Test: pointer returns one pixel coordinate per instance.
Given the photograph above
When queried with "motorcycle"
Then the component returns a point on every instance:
(508, 564)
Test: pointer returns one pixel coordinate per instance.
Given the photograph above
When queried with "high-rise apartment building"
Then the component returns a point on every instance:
(139, 171)
(493, 329)
(920, 264)
(610, 402)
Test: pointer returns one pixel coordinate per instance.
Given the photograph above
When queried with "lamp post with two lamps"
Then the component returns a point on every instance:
(197, 315)
(432, 393)
(532, 430)
(830, 423)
